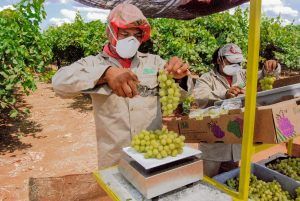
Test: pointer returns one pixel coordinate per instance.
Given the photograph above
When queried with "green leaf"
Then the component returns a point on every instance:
(13, 113)
(26, 111)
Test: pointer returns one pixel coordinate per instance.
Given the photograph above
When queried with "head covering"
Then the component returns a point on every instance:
(232, 53)
(127, 16)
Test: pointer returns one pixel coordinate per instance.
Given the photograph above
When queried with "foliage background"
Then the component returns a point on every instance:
(193, 40)
(25, 50)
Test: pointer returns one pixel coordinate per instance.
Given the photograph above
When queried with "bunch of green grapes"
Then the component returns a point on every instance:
(233, 183)
(158, 144)
(267, 82)
(289, 167)
(187, 103)
(262, 191)
(298, 194)
(169, 92)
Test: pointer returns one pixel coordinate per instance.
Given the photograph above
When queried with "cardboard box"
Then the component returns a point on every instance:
(273, 124)
(272, 159)
(264, 174)
(296, 150)
(287, 81)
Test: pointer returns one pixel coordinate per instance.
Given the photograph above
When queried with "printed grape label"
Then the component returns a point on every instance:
(284, 128)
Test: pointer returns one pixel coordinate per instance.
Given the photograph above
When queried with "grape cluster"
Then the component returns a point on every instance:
(289, 167)
(169, 92)
(263, 191)
(158, 144)
(187, 104)
(267, 82)
(298, 194)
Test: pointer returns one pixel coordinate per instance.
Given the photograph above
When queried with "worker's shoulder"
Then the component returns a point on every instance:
(91, 59)
(208, 75)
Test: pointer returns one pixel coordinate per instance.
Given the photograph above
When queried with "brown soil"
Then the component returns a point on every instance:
(56, 139)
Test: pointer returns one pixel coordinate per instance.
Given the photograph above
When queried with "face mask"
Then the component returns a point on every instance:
(232, 69)
(127, 47)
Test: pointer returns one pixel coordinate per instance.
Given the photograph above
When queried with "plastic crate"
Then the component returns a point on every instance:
(272, 159)
(271, 96)
(262, 173)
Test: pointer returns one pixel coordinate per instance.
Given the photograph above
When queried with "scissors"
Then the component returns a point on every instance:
(145, 91)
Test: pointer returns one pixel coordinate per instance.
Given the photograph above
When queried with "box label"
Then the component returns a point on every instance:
(216, 130)
(284, 128)
(236, 127)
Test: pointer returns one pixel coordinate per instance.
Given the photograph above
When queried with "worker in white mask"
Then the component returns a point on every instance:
(111, 78)
(226, 80)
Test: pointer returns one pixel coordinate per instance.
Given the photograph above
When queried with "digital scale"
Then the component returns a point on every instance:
(154, 177)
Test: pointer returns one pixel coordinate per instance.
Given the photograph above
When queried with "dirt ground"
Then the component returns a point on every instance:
(56, 139)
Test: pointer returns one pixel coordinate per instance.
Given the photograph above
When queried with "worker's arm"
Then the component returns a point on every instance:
(81, 75)
(204, 93)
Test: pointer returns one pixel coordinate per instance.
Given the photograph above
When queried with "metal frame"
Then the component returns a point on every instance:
(250, 105)
(248, 149)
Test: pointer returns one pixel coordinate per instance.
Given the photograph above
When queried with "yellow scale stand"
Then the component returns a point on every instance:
(248, 149)
(250, 106)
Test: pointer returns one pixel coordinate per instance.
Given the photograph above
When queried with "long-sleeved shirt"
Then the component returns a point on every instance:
(117, 119)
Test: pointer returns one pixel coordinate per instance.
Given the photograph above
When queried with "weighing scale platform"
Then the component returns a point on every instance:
(119, 189)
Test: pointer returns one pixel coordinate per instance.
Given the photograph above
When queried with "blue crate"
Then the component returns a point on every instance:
(272, 159)
(264, 174)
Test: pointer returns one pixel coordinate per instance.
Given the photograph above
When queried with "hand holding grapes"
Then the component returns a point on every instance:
(177, 68)
(270, 66)
(234, 91)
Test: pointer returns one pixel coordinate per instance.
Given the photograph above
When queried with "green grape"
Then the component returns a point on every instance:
(172, 146)
(143, 142)
(149, 152)
(177, 141)
(267, 82)
(163, 77)
(174, 153)
(163, 141)
(180, 150)
(262, 191)
(162, 92)
(164, 153)
(289, 167)
(158, 144)
(137, 142)
(162, 85)
(152, 136)
(169, 106)
(182, 138)
(169, 93)
(166, 148)
(137, 148)
(169, 83)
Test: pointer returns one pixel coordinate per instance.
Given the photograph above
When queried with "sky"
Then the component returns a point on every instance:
(64, 11)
